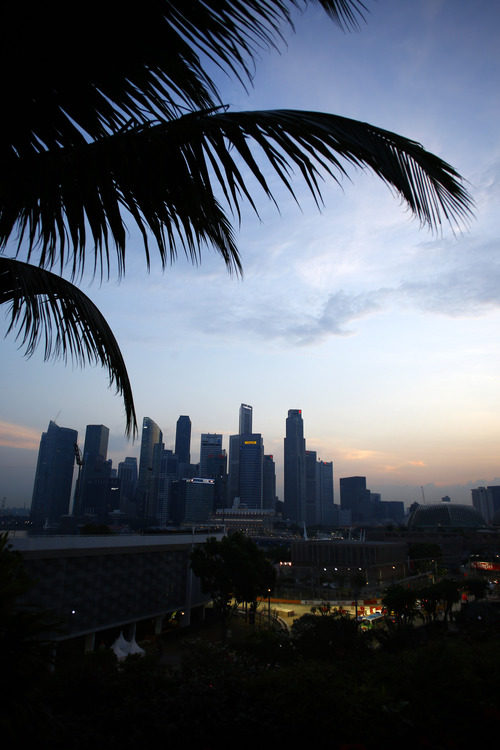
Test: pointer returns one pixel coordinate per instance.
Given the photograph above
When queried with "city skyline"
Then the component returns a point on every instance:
(385, 336)
(96, 436)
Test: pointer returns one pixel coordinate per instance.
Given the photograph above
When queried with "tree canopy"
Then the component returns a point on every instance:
(233, 568)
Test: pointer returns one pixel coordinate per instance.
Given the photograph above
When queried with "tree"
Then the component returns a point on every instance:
(233, 571)
(401, 601)
(114, 118)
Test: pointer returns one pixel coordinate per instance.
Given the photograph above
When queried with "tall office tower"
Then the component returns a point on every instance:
(326, 505)
(250, 471)
(355, 497)
(269, 483)
(165, 471)
(93, 486)
(312, 499)
(210, 445)
(217, 470)
(183, 440)
(245, 421)
(54, 475)
(127, 474)
(295, 468)
(235, 442)
(192, 500)
(151, 434)
(234, 469)
(482, 501)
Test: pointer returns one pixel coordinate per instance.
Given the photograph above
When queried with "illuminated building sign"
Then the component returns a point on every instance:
(250, 442)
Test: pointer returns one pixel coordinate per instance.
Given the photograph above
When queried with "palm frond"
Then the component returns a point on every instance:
(168, 176)
(78, 76)
(47, 308)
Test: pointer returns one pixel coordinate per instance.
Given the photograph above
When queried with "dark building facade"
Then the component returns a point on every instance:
(245, 420)
(326, 507)
(312, 489)
(210, 445)
(192, 500)
(54, 475)
(151, 435)
(251, 471)
(183, 439)
(356, 498)
(93, 494)
(93, 584)
(269, 483)
(127, 474)
(295, 468)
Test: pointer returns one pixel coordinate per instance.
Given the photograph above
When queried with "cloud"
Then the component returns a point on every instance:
(19, 436)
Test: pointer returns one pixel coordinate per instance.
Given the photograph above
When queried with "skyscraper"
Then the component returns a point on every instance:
(245, 420)
(295, 468)
(151, 434)
(54, 475)
(355, 497)
(183, 440)
(312, 489)
(326, 505)
(127, 474)
(210, 445)
(269, 483)
(93, 485)
(165, 471)
(250, 471)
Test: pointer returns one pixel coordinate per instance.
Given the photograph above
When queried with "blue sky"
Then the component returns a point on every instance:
(385, 335)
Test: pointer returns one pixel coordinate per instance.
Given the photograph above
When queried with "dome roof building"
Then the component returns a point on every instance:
(445, 516)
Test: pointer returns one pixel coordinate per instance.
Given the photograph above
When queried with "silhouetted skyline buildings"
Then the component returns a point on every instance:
(295, 467)
(54, 475)
(158, 492)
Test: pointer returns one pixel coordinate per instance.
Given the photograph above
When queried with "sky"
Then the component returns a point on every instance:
(385, 334)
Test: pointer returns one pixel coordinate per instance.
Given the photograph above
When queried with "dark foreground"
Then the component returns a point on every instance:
(324, 684)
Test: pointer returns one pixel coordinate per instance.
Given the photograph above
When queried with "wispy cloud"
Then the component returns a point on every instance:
(19, 436)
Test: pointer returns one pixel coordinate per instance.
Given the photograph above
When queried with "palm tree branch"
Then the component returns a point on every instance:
(166, 177)
(46, 308)
(122, 65)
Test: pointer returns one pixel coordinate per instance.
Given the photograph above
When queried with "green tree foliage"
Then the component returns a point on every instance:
(401, 600)
(114, 119)
(327, 637)
(233, 571)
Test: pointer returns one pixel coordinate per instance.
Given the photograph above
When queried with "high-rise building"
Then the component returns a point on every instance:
(151, 434)
(295, 468)
(217, 470)
(234, 468)
(165, 471)
(93, 488)
(192, 500)
(245, 420)
(210, 445)
(312, 489)
(356, 498)
(127, 474)
(54, 475)
(183, 440)
(269, 483)
(326, 505)
(250, 471)
(486, 500)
